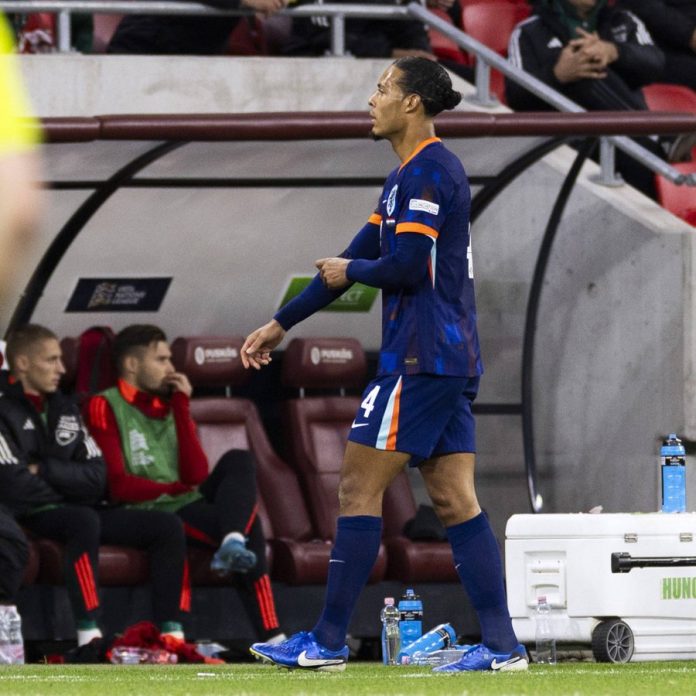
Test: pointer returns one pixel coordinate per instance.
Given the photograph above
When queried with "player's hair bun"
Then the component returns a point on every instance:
(430, 81)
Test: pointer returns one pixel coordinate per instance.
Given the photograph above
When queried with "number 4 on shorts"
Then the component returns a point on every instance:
(368, 404)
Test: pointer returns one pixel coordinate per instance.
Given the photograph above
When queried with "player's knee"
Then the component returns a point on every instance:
(354, 498)
(452, 509)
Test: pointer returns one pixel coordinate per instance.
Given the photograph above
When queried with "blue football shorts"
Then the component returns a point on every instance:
(422, 415)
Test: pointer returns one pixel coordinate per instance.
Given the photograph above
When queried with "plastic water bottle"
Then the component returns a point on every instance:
(545, 641)
(673, 474)
(438, 657)
(15, 636)
(11, 643)
(438, 638)
(5, 650)
(410, 617)
(127, 655)
(390, 632)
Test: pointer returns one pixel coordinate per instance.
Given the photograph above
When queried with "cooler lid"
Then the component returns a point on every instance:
(586, 525)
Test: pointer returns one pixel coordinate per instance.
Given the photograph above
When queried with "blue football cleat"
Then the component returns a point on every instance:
(232, 557)
(301, 650)
(479, 658)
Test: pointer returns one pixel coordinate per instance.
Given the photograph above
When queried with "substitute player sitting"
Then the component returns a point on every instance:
(416, 248)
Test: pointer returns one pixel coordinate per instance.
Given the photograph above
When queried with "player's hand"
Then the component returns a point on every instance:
(256, 351)
(332, 272)
(574, 64)
(179, 382)
(601, 52)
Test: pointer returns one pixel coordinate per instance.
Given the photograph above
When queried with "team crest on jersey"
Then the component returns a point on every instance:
(391, 200)
(66, 430)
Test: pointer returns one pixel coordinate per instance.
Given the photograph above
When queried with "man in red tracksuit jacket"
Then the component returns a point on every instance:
(155, 461)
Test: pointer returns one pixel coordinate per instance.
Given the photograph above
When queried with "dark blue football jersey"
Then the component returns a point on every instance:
(430, 327)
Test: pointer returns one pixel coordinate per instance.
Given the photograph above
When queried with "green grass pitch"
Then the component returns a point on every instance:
(360, 678)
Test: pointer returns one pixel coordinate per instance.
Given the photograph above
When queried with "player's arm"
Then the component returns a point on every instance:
(82, 478)
(21, 487)
(316, 296)
(256, 351)
(193, 464)
(123, 486)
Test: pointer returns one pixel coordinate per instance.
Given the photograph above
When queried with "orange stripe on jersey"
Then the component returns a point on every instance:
(375, 219)
(425, 143)
(416, 227)
(394, 425)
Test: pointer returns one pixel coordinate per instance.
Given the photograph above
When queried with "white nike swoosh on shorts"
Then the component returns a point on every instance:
(359, 425)
(304, 661)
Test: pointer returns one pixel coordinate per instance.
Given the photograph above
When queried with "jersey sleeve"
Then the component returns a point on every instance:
(426, 196)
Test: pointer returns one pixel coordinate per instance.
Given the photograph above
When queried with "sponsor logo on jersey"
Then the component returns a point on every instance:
(391, 200)
(215, 355)
(29, 425)
(425, 206)
(67, 429)
(139, 449)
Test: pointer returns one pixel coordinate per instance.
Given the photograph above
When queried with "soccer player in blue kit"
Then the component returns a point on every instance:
(416, 248)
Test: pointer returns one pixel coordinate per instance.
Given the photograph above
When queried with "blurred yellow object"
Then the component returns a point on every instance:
(18, 130)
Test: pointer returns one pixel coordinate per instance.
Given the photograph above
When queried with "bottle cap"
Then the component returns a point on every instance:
(389, 600)
(541, 599)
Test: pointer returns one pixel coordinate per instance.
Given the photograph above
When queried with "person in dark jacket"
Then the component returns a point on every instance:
(672, 24)
(598, 56)
(14, 554)
(53, 479)
(364, 37)
(185, 34)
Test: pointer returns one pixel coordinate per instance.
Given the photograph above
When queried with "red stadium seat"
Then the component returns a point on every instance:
(318, 426)
(665, 97)
(680, 200)
(88, 365)
(491, 23)
(300, 556)
(443, 47)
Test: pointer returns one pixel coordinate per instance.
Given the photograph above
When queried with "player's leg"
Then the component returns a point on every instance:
(161, 535)
(231, 490)
(202, 527)
(365, 475)
(14, 554)
(450, 483)
(78, 528)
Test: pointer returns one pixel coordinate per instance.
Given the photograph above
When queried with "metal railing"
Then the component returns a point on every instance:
(337, 14)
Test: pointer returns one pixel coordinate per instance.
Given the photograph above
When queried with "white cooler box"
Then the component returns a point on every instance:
(624, 583)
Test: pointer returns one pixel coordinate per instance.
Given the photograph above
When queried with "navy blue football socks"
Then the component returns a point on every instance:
(478, 563)
(353, 555)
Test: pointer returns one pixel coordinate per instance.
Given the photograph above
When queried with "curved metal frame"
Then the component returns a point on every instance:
(72, 228)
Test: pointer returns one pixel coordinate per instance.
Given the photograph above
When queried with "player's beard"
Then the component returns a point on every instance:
(376, 137)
